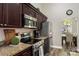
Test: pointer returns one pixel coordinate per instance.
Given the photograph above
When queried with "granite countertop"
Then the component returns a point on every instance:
(13, 49)
(42, 37)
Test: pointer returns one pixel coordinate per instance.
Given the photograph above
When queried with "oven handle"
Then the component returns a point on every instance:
(41, 45)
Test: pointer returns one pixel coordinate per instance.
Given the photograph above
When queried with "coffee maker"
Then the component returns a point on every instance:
(36, 33)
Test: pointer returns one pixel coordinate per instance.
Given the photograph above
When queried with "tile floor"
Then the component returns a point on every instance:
(61, 52)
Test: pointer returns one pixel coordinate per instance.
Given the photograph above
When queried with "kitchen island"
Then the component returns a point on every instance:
(13, 49)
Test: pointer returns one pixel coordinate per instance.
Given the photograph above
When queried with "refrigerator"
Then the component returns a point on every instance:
(45, 29)
(44, 32)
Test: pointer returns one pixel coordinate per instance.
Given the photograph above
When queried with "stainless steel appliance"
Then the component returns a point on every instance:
(45, 29)
(45, 32)
(29, 21)
(38, 48)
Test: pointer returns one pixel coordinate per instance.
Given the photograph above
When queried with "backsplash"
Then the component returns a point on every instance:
(18, 30)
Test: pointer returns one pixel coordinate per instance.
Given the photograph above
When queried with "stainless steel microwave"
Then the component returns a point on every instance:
(29, 21)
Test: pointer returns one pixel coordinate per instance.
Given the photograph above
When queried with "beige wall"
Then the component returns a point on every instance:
(56, 14)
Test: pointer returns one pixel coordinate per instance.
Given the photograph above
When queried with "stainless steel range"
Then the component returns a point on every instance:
(37, 44)
(38, 48)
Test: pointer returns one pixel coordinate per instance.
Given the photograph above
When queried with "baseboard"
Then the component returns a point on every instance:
(77, 49)
(59, 47)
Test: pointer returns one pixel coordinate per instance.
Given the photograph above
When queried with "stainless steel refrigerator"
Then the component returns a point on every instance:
(45, 29)
(44, 32)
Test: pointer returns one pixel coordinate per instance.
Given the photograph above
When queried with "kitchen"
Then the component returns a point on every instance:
(38, 29)
(21, 30)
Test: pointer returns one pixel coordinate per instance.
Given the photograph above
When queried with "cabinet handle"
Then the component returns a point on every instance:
(5, 24)
(1, 24)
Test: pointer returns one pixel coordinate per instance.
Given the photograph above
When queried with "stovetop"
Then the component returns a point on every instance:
(34, 41)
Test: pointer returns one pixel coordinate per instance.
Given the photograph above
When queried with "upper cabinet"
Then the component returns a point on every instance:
(34, 12)
(1, 15)
(12, 13)
(27, 9)
(40, 19)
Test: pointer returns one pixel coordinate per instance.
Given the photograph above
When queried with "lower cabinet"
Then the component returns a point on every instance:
(46, 46)
(26, 52)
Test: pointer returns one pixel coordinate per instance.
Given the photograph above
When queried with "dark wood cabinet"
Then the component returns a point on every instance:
(32, 11)
(46, 46)
(1, 14)
(12, 13)
(28, 10)
(26, 52)
(44, 18)
(39, 21)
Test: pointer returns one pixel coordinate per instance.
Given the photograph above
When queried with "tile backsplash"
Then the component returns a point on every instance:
(18, 30)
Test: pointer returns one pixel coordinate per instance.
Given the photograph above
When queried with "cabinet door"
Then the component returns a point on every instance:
(26, 9)
(33, 13)
(46, 46)
(1, 18)
(29, 11)
(12, 14)
(39, 18)
(44, 18)
(39, 23)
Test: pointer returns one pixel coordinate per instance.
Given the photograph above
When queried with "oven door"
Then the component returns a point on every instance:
(41, 52)
(38, 51)
(35, 51)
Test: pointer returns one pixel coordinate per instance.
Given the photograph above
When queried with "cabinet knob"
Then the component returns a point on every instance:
(5, 24)
(1, 24)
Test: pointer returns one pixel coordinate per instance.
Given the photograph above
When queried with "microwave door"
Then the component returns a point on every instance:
(26, 22)
(35, 24)
(31, 23)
